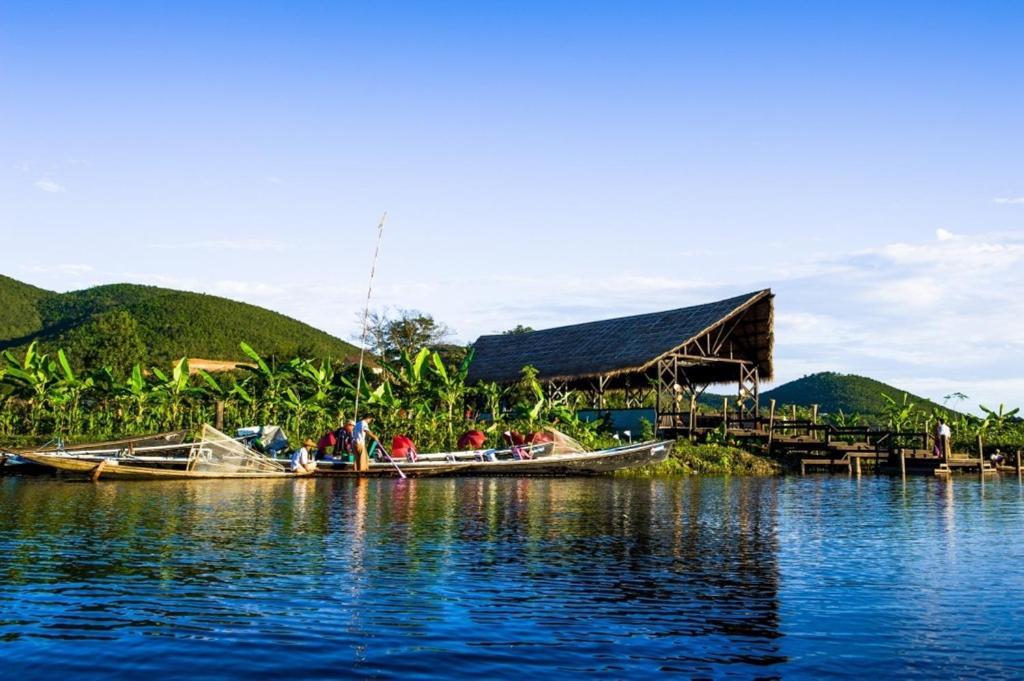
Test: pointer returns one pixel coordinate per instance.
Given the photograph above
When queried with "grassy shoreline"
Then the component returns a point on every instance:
(688, 458)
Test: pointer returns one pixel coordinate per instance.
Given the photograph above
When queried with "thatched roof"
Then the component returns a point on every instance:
(632, 345)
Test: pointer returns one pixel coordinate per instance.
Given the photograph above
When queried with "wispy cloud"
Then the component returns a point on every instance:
(1011, 200)
(70, 269)
(240, 244)
(49, 186)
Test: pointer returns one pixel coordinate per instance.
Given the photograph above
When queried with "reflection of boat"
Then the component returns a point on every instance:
(214, 455)
(570, 463)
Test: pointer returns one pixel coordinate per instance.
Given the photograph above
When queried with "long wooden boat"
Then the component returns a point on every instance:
(576, 463)
(111, 469)
(157, 449)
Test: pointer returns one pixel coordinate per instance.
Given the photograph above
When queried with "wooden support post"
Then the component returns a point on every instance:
(725, 413)
(771, 426)
(693, 414)
(814, 414)
(903, 464)
(981, 456)
(94, 475)
(1018, 463)
(220, 415)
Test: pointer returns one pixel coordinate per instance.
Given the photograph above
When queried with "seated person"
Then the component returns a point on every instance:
(301, 461)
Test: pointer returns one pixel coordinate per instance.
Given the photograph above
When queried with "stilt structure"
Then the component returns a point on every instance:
(662, 361)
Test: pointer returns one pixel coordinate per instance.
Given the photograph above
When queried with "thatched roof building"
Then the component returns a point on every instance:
(675, 351)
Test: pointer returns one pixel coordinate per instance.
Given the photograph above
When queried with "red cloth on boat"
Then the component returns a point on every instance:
(517, 438)
(540, 437)
(472, 439)
(400, 446)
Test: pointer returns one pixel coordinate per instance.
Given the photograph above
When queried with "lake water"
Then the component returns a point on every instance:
(505, 578)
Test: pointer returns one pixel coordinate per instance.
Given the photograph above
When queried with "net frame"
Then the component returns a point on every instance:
(216, 452)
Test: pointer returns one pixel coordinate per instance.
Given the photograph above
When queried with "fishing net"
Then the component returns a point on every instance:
(216, 452)
(563, 444)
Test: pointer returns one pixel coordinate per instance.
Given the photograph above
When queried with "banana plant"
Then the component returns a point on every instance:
(899, 414)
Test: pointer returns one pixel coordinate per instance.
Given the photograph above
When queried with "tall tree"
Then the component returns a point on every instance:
(389, 334)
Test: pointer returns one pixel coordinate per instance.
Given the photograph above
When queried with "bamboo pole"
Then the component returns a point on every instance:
(981, 456)
(771, 426)
(903, 463)
(814, 414)
(1018, 463)
(725, 413)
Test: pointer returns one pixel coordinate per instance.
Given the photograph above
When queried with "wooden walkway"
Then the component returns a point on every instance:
(812, 446)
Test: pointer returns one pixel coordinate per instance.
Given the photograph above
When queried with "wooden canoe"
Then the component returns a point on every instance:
(583, 463)
(112, 470)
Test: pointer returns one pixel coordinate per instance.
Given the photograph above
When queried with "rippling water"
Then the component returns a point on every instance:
(497, 578)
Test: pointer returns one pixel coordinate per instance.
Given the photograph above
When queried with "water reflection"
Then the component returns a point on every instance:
(415, 577)
(502, 577)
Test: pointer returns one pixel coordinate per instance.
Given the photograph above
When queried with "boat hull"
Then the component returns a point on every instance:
(583, 464)
(115, 471)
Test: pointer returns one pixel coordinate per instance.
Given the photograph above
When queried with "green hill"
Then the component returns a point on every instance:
(834, 392)
(122, 323)
(19, 308)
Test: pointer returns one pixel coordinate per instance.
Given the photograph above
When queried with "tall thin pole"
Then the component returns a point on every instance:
(366, 314)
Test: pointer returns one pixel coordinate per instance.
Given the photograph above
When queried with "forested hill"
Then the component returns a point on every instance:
(841, 392)
(124, 323)
(833, 393)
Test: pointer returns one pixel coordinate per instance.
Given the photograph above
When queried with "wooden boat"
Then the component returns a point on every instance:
(111, 469)
(156, 449)
(214, 456)
(575, 463)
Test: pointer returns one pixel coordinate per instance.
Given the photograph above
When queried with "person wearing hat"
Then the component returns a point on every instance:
(302, 462)
(343, 446)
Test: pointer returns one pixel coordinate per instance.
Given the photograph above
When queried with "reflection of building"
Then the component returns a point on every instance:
(668, 358)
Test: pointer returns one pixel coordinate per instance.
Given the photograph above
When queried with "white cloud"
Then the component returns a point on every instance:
(60, 268)
(1010, 200)
(49, 186)
(213, 245)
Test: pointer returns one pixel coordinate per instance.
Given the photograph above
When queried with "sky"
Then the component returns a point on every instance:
(541, 164)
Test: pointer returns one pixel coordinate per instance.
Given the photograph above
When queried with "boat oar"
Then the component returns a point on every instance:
(388, 457)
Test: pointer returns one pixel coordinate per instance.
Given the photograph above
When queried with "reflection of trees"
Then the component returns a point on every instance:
(690, 565)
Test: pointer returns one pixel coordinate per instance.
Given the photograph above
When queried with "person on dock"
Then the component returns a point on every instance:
(945, 435)
(301, 460)
(359, 435)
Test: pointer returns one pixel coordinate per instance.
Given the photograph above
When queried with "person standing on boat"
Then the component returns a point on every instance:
(343, 435)
(301, 461)
(359, 435)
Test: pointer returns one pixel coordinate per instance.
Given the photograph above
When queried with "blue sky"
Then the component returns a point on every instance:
(542, 164)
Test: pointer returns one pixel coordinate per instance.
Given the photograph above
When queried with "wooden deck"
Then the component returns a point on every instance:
(811, 446)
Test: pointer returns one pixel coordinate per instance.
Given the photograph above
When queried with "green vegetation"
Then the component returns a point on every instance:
(835, 393)
(707, 459)
(19, 308)
(121, 324)
(421, 396)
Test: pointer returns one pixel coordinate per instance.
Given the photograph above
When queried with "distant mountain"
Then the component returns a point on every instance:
(833, 393)
(154, 325)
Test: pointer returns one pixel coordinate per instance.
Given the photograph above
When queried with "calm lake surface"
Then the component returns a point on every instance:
(502, 578)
